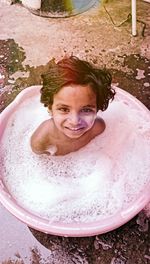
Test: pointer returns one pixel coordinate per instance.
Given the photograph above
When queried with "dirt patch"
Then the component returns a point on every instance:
(130, 72)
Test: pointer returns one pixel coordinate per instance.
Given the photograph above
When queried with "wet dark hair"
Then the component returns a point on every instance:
(75, 71)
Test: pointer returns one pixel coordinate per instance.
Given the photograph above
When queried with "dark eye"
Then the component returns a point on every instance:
(87, 110)
(63, 109)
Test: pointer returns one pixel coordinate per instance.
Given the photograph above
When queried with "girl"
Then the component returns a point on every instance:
(73, 90)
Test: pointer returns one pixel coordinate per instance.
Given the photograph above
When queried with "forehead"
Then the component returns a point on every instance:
(75, 94)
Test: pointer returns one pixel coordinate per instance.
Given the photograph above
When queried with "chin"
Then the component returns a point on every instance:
(75, 136)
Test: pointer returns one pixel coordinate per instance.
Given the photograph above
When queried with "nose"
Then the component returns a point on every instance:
(74, 118)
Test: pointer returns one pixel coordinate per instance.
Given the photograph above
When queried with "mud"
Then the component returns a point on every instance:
(116, 247)
(12, 57)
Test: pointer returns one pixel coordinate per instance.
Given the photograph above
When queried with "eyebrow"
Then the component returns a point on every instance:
(84, 106)
(91, 106)
(64, 105)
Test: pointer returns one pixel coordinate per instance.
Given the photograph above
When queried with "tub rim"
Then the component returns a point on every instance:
(70, 229)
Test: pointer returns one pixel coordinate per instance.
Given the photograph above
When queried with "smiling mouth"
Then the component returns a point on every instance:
(75, 129)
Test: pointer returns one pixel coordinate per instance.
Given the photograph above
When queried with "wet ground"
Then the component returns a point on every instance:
(101, 35)
(22, 245)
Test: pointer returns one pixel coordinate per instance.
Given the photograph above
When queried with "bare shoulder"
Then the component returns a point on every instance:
(41, 137)
(99, 126)
(42, 130)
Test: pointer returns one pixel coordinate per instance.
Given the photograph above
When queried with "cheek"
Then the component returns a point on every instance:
(90, 119)
(58, 119)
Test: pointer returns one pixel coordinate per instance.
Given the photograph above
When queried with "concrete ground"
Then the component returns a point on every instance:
(101, 35)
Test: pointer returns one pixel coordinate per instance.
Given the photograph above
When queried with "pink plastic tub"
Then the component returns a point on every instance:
(73, 229)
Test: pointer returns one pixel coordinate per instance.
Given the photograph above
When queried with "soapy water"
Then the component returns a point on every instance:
(83, 186)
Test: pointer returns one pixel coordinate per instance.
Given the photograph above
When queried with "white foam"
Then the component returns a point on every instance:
(86, 185)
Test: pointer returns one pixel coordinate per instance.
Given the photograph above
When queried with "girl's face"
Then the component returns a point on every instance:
(74, 110)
